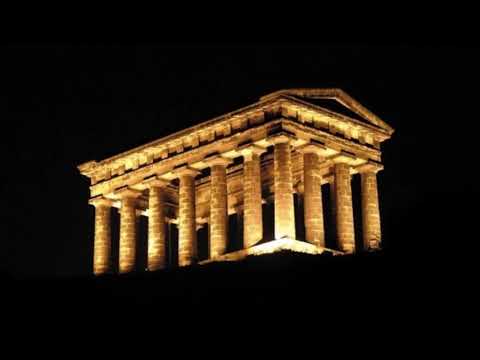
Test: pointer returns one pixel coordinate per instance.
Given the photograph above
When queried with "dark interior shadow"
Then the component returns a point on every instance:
(203, 243)
(268, 223)
(172, 246)
(299, 217)
(235, 233)
(141, 246)
(328, 217)
(357, 212)
(115, 238)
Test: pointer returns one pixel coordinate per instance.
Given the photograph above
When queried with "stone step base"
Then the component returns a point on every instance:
(271, 247)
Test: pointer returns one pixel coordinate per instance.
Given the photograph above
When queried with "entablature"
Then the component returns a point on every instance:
(260, 136)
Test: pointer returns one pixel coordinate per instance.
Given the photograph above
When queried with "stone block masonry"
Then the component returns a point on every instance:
(233, 164)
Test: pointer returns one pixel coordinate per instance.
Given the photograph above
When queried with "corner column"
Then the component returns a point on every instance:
(218, 206)
(370, 207)
(252, 195)
(128, 229)
(343, 205)
(102, 243)
(187, 227)
(156, 224)
(283, 187)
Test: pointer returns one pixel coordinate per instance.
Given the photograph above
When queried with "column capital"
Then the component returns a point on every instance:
(185, 171)
(100, 201)
(217, 160)
(281, 138)
(369, 167)
(344, 158)
(313, 148)
(126, 193)
(248, 150)
(155, 181)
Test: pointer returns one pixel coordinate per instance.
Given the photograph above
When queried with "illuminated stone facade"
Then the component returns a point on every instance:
(282, 153)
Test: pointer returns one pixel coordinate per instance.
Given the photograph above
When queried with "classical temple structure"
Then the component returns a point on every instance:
(265, 165)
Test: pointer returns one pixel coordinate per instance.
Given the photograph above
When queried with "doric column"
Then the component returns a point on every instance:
(128, 229)
(218, 205)
(370, 206)
(343, 205)
(312, 194)
(283, 187)
(102, 243)
(312, 202)
(187, 231)
(252, 195)
(156, 224)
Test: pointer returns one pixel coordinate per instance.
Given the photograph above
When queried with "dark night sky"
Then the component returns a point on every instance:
(62, 105)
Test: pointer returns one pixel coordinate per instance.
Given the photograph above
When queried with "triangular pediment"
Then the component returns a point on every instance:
(333, 100)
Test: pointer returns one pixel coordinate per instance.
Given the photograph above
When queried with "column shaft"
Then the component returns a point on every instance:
(187, 233)
(370, 211)
(313, 209)
(128, 233)
(283, 187)
(343, 208)
(102, 242)
(156, 229)
(218, 211)
(252, 201)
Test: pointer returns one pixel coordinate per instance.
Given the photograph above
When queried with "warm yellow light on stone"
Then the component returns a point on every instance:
(283, 187)
(370, 207)
(282, 144)
(187, 226)
(102, 243)
(313, 155)
(156, 224)
(274, 246)
(128, 228)
(252, 195)
(218, 206)
(343, 208)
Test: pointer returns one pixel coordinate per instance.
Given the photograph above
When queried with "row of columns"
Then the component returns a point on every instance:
(252, 209)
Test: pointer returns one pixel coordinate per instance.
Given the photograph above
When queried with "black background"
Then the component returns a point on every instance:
(62, 105)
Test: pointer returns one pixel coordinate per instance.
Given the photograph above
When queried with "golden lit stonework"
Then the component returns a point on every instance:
(279, 152)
